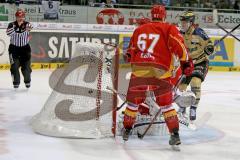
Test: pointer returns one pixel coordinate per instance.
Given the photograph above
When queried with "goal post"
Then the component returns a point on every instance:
(80, 106)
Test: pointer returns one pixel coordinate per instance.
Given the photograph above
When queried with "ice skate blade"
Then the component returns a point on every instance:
(192, 126)
(176, 148)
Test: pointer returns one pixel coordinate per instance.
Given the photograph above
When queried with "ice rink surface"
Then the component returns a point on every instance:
(218, 139)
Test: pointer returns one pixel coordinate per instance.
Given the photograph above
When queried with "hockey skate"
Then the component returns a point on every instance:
(27, 85)
(175, 141)
(126, 133)
(182, 112)
(193, 113)
(15, 86)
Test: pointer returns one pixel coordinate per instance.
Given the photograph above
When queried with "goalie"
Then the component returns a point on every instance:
(151, 51)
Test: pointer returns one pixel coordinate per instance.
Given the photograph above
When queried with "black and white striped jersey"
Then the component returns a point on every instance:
(19, 36)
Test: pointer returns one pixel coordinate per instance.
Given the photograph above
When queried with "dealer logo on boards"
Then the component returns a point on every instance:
(110, 16)
(207, 18)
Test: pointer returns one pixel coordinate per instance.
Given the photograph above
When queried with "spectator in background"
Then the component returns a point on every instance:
(164, 2)
(207, 4)
(113, 1)
(110, 3)
(103, 5)
(17, 2)
(50, 9)
(236, 5)
(91, 3)
(223, 4)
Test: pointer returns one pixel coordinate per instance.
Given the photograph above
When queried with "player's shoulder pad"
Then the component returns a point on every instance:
(174, 29)
(201, 33)
(141, 27)
(170, 27)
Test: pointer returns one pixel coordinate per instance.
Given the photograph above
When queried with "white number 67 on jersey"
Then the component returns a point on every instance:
(142, 42)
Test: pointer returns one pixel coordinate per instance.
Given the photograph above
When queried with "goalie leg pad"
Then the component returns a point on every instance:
(171, 118)
(143, 109)
(165, 99)
(185, 99)
(130, 115)
(196, 89)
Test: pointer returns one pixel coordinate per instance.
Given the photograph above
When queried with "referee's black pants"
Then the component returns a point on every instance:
(20, 57)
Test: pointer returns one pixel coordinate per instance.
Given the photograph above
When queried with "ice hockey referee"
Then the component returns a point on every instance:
(19, 49)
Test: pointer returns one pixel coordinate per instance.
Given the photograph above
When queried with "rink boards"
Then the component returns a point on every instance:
(52, 48)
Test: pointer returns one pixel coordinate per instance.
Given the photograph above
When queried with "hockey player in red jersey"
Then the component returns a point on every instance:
(151, 54)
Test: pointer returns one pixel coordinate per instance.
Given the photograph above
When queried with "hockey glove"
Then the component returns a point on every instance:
(127, 56)
(29, 27)
(209, 49)
(187, 67)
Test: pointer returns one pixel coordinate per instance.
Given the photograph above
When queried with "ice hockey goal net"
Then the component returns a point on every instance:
(80, 106)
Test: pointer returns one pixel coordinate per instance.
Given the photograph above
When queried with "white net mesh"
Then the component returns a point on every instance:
(80, 106)
(158, 128)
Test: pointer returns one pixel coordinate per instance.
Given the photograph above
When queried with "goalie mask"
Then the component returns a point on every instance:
(186, 20)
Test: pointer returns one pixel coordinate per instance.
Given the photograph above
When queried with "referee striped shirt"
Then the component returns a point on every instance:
(19, 36)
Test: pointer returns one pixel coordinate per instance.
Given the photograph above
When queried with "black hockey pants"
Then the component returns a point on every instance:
(20, 57)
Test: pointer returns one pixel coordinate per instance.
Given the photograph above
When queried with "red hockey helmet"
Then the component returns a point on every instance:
(158, 12)
(20, 13)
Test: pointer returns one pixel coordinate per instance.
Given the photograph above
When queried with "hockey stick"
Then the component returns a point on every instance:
(215, 21)
(147, 123)
(110, 44)
(228, 33)
(124, 95)
(185, 123)
(120, 94)
(114, 91)
(159, 111)
(150, 124)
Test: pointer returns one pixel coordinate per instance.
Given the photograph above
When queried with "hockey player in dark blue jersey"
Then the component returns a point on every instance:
(200, 47)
